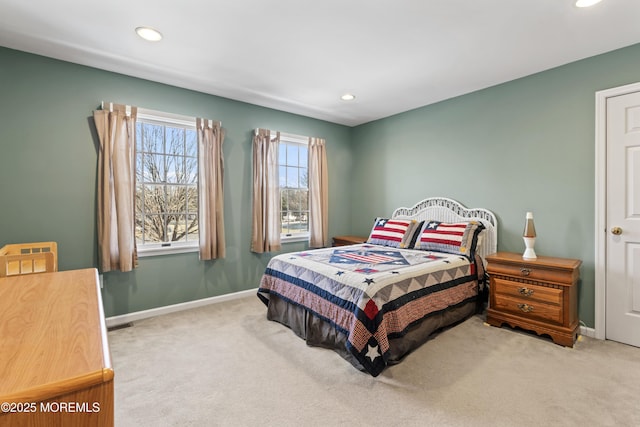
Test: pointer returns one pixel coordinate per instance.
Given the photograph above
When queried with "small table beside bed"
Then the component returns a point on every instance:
(420, 270)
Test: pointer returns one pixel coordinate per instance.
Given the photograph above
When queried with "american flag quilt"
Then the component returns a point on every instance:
(371, 293)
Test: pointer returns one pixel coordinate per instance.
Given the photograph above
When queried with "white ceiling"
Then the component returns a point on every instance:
(301, 56)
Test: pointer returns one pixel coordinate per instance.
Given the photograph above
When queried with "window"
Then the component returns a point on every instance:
(166, 201)
(293, 178)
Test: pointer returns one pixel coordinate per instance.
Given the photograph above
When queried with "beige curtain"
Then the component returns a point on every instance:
(210, 189)
(265, 234)
(318, 194)
(116, 129)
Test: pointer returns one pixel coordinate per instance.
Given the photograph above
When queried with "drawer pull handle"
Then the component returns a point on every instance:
(525, 308)
(525, 292)
(525, 271)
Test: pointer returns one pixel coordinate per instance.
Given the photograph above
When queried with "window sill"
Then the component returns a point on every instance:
(294, 238)
(169, 250)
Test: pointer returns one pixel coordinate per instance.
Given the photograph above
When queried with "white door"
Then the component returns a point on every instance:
(623, 219)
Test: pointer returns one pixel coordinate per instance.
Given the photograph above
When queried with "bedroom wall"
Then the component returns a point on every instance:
(48, 175)
(523, 145)
(526, 145)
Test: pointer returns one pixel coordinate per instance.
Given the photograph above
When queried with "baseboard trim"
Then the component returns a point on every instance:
(145, 314)
(587, 332)
(123, 319)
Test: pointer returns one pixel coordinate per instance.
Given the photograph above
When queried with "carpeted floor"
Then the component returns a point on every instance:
(226, 365)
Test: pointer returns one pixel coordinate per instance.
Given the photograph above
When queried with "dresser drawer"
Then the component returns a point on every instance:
(528, 292)
(529, 309)
(532, 272)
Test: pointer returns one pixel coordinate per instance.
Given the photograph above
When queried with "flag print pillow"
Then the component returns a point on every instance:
(396, 233)
(457, 238)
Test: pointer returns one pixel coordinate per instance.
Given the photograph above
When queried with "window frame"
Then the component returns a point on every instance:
(166, 119)
(287, 138)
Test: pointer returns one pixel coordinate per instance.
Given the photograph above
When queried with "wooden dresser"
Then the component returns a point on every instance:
(348, 240)
(537, 295)
(55, 365)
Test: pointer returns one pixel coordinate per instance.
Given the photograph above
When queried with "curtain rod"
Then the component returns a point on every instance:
(210, 122)
(159, 114)
(127, 108)
(285, 134)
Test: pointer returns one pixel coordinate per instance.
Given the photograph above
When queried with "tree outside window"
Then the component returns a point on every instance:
(166, 184)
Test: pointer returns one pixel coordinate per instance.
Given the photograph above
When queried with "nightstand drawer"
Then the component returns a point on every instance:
(348, 240)
(529, 309)
(528, 292)
(532, 272)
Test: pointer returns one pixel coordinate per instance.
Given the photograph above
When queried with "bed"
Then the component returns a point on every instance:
(421, 270)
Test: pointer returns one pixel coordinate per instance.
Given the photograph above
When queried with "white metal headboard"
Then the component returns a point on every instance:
(448, 210)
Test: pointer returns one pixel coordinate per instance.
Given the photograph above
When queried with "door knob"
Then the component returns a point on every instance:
(616, 231)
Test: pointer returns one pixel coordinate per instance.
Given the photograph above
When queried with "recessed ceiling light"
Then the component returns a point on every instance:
(586, 3)
(348, 97)
(149, 34)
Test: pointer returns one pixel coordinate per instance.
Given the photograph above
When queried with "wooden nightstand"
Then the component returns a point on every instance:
(348, 240)
(538, 295)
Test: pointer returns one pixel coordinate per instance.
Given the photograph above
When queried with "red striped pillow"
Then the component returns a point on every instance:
(456, 238)
(396, 233)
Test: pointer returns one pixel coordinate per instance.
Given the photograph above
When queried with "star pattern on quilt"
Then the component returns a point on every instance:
(339, 273)
(368, 281)
(372, 352)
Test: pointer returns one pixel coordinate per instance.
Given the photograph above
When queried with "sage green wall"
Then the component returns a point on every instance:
(48, 169)
(526, 145)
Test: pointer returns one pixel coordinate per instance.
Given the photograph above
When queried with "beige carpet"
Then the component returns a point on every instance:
(226, 365)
